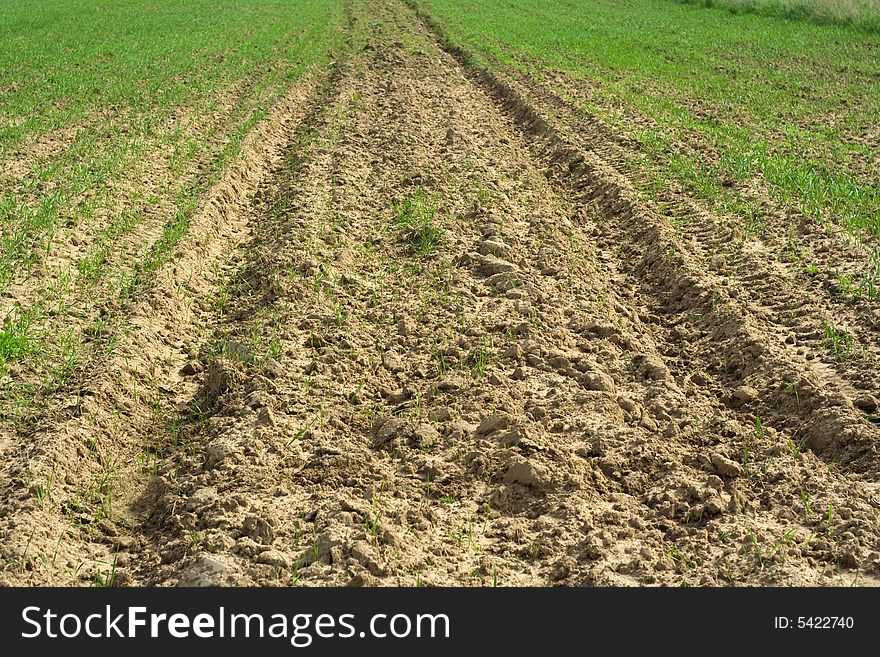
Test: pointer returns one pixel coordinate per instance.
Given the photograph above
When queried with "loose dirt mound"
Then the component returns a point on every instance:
(457, 350)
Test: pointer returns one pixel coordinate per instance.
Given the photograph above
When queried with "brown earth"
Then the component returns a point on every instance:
(562, 389)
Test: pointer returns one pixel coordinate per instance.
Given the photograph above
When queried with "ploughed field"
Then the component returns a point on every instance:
(438, 293)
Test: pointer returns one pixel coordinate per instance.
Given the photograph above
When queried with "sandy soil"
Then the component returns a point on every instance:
(566, 390)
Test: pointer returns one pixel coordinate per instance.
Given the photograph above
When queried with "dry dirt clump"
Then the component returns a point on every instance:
(450, 347)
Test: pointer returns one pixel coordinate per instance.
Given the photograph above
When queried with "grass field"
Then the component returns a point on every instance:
(721, 103)
(114, 119)
(439, 292)
(141, 60)
(861, 14)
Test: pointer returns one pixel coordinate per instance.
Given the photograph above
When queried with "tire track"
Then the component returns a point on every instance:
(552, 392)
(745, 346)
(809, 313)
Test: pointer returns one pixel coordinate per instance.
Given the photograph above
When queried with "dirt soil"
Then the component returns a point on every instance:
(565, 390)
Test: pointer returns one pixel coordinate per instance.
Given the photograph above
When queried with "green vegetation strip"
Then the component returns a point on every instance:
(87, 89)
(125, 81)
(724, 104)
(861, 14)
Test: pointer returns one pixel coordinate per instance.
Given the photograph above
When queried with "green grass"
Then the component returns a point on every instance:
(15, 340)
(89, 90)
(733, 108)
(63, 60)
(116, 115)
(841, 344)
(416, 218)
(862, 14)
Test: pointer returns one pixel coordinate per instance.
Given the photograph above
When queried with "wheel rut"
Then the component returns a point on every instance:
(460, 351)
(432, 337)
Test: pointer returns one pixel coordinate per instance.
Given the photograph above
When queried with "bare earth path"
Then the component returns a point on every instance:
(558, 392)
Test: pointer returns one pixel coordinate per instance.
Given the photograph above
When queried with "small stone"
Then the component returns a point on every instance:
(724, 466)
(602, 330)
(406, 326)
(513, 437)
(388, 430)
(500, 498)
(448, 385)
(745, 394)
(265, 418)
(502, 282)
(107, 528)
(653, 368)
(598, 381)
(495, 248)
(851, 558)
(201, 498)
(513, 352)
(866, 403)
(272, 368)
(525, 473)
(538, 413)
(392, 362)
(560, 363)
(247, 547)
(258, 529)
(398, 396)
(124, 543)
(361, 580)
(561, 569)
(522, 330)
(493, 423)
(441, 414)
(427, 436)
(217, 381)
(714, 505)
(320, 550)
(206, 571)
(491, 265)
(274, 558)
(629, 405)
(714, 482)
(216, 453)
(366, 555)
(191, 368)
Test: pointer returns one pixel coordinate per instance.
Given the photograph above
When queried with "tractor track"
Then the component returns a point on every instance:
(557, 389)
